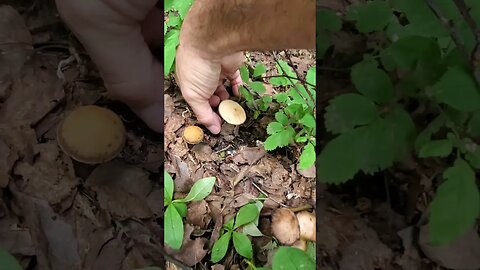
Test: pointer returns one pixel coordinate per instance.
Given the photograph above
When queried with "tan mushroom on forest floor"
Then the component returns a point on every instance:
(91, 134)
(193, 134)
(232, 112)
(285, 226)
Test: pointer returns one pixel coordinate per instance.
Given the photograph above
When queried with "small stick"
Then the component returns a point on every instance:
(264, 193)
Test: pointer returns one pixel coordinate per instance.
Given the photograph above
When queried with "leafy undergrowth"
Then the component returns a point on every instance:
(404, 113)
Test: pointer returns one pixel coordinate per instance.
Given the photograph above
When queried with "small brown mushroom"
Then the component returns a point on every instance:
(91, 134)
(192, 134)
(232, 112)
(285, 226)
(307, 222)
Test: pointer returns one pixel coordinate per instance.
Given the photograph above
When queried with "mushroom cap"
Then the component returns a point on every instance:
(285, 226)
(192, 134)
(307, 223)
(232, 112)
(91, 134)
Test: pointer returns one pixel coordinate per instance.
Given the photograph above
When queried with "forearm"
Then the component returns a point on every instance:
(227, 26)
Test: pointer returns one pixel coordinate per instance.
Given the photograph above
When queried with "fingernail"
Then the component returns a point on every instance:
(214, 129)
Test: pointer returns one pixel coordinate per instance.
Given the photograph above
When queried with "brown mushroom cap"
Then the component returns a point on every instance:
(285, 226)
(91, 134)
(192, 134)
(307, 222)
(232, 112)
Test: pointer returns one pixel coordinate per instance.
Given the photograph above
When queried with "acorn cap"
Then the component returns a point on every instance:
(232, 112)
(285, 226)
(307, 221)
(192, 134)
(91, 134)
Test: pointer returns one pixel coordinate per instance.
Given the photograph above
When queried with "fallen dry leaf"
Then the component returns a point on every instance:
(121, 189)
(169, 106)
(192, 251)
(50, 177)
(203, 152)
(35, 92)
(463, 253)
(249, 155)
(198, 214)
(15, 239)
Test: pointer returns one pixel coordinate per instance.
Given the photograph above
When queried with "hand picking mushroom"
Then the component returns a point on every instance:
(91, 134)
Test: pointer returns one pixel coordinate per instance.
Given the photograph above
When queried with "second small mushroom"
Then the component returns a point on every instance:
(232, 112)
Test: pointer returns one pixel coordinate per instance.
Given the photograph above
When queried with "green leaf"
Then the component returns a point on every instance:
(181, 208)
(279, 139)
(244, 74)
(171, 42)
(245, 93)
(371, 16)
(283, 66)
(474, 124)
(436, 148)
(246, 214)
(458, 89)
(251, 229)
(312, 250)
(282, 97)
(220, 247)
(168, 187)
(173, 228)
(200, 190)
(258, 87)
(408, 50)
(173, 20)
(299, 95)
(290, 258)
(259, 70)
(168, 5)
(274, 127)
(427, 133)
(229, 224)
(307, 158)
(455, 207)
(182, 6)
(474, 158)
(308, 120)
(301, 139)
(403, 132)
(281, 117)
(242, 245)
(348, 111)
(311, 78)
(8, 261)
(329, 20)
(372, 81)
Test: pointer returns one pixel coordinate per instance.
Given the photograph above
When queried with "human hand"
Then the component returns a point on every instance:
(117, 35)
(200, 77)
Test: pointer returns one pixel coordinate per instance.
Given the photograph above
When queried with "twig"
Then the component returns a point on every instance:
(475, 55)
(289, 58)
(264, 193)
(286, 76)
(453, 31)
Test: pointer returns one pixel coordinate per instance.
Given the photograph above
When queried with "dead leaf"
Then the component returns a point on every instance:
(192, 251)
(121, 189)
(179, 148)
(249, 155)
(15, 239)
(198, 214)
(182, 179)
(155, 201)
(463, 253)
(7, 159)
(169, 106)
(111, 256)
(56, 244)
(410, 258)
(50, 177)
(34, 93)
(309, 173)
(15, 45)
(203, 152)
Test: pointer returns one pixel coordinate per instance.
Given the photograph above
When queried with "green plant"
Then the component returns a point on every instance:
(246, 219)
(292, 258)
(7, 261)
(175, 12)
(419, 73)
(294, 118)
(176, 209)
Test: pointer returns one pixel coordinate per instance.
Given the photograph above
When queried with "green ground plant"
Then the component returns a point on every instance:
(176, 209)
(7, 261)
(416, 98)
(295, 115)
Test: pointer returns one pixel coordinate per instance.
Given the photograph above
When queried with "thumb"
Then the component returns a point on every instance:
(205, 114)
